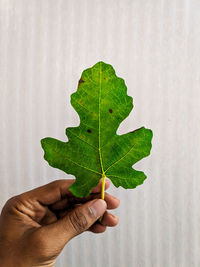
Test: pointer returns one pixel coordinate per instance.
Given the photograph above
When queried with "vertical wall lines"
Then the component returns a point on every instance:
(44, 47)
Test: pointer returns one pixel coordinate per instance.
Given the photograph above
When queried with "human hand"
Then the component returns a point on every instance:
(36, 225)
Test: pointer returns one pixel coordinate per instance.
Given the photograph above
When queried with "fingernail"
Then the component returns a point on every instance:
(98, 208)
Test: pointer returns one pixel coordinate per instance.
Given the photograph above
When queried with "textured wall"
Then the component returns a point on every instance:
(155, 46)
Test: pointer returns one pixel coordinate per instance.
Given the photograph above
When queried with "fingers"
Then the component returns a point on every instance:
(109, 220)
(97, 189)
(97, 228)
(60, 205)
(112, 202)
(75, 222)
(83, 217)
(55, 191)
(50, 193)
(94, 194)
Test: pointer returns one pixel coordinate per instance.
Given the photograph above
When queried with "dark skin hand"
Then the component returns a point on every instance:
(36, 225)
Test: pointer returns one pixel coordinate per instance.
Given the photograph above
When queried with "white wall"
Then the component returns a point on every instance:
(155, 46)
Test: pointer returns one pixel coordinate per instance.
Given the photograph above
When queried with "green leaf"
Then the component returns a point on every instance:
(94, 148)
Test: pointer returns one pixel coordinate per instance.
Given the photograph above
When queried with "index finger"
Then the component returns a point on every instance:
(55, 191)
(50, 193)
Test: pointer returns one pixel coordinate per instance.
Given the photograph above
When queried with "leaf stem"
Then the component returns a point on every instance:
(102, 191)
(103, 186)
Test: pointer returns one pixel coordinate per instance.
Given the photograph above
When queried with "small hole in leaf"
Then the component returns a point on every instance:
(89, 131)
(110, 110)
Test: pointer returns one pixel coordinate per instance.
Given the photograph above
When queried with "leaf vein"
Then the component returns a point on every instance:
(82, 139)
(82, 166)
(120, 158)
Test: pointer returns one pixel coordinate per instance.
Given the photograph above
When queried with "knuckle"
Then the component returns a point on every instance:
(18, 202)
(6, 208)
(10, 203)
(78, 221)
(14, 203)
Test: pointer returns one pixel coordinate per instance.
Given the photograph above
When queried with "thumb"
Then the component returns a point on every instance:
(82, 217)
(75, 222)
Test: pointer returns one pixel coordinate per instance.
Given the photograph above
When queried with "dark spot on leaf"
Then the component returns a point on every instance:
(110, 110)
(81, 81)
(80, 101)
(104, 78)
(89, 131)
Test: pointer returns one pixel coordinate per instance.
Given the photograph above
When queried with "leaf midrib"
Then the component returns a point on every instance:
(99, 148)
